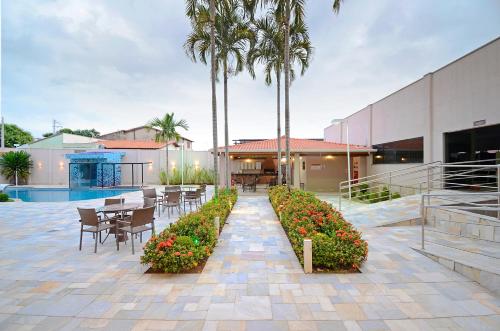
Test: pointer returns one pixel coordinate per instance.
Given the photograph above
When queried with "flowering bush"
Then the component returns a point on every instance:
(191, 240)
(336, 244)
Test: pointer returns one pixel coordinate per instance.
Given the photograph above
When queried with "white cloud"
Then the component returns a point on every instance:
(116, 64)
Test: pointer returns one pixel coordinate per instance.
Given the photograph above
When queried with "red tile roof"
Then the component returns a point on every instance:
(296, 145)
(132, 144)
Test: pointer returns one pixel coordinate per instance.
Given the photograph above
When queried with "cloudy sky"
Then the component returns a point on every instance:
(115, 64)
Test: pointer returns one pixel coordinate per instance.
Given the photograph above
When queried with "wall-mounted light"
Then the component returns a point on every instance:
(248, 160)
(231, 157)
(329, 157)
(283, 159)
(61, 165)
(403, 159)
(173, 164)
(150, 166)
(378, 156)
(39, 164)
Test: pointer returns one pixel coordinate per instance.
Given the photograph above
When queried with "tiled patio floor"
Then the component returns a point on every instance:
(252, 282)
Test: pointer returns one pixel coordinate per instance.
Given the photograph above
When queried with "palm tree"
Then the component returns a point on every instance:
(269, 51)
(191, 6)
(286, 10)
(167, 131)
(16, 165)
(233, 36)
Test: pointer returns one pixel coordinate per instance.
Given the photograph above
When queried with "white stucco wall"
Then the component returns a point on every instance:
(50, 166)
(465, 91)
(449, 99)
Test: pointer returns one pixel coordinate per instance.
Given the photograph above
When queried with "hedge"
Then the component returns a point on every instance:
(336, 244)
(188, 242)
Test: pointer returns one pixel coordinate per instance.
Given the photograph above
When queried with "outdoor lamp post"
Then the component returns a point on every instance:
(341, 123)
(182, 163)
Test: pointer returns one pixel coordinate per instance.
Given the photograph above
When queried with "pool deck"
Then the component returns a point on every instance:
(253, 281)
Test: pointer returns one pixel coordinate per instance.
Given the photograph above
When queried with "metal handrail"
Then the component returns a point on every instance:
(469, 205)
(428, 171)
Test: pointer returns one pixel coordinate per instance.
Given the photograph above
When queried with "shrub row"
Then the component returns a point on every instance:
(191, 240)
(365, 194)
(336, 244)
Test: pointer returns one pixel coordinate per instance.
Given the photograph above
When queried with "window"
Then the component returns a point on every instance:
(401, 151)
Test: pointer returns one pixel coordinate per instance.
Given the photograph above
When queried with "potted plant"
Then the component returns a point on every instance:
(16, 166)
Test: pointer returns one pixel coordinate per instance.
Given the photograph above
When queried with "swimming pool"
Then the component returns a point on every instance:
(30, 194)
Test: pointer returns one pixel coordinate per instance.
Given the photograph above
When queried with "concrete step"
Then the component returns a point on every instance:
(478, 267)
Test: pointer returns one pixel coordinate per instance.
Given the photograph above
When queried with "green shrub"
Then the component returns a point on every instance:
(190, 240)
(363, 188)
(192, 175)
(373, 197)
(385, 194)
(395, 195)
(337, 245)
(4, 197)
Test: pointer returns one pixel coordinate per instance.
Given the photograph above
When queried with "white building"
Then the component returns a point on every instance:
(451, 114)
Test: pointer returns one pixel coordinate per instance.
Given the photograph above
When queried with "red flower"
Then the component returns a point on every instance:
(177, 253)
(190, 253)
(302, 231)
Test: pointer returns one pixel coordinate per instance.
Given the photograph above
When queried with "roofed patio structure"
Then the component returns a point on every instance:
(316, 165)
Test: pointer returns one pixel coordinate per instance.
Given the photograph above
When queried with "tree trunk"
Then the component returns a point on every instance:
(278, 104)
(214, 97)
(287, 92)
(226, 130)
(166, 153)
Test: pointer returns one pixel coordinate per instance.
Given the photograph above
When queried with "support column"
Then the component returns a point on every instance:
(296, 170)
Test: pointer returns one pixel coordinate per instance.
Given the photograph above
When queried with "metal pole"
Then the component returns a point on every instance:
(498, 190)
(422, 219)
(2, 137)
(428, 185)
(132, 175)
(390, 182)
(348, 159)
(340, 197)
(182, 163)
(142, 174)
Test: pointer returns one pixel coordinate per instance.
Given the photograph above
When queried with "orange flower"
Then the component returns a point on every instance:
(190, 253)
(177, 253)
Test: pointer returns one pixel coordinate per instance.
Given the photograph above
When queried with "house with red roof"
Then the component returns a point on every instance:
(316, 165)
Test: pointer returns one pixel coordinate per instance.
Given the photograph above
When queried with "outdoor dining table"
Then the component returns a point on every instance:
(121, 208)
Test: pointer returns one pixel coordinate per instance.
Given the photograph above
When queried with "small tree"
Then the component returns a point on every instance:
(14, 135)
(16, 165)
(167, 126)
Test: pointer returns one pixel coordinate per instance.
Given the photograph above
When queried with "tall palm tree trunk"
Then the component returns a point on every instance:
(287, 92)
(278, 104)
(226, 130)
(214, 97)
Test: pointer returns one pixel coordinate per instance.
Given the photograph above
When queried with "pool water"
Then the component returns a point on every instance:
(30, 194)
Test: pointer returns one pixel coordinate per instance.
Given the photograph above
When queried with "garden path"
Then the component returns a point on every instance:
(253, 281)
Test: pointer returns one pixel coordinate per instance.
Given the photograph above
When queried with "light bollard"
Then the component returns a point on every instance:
(217, 226)
(308, 256)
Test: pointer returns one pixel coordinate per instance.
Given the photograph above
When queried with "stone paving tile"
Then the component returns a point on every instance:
(253, 281)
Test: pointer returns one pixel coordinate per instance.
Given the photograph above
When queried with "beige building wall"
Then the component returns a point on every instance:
(50, 166)
(324, 174)
(449, 99)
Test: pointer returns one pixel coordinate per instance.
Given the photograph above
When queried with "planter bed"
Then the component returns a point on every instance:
(336, 245)
(185, 246)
